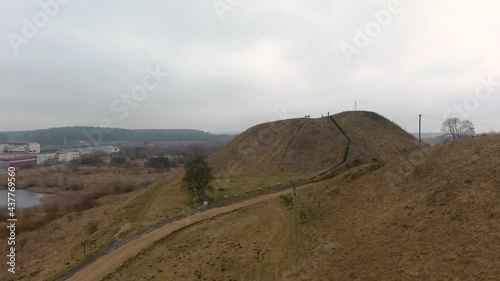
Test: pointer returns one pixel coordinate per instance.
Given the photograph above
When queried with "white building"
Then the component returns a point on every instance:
(45, 157)
(67, 156)
(19, 148)
(93, 149)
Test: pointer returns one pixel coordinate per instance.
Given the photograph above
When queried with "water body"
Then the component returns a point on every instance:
(24, 198)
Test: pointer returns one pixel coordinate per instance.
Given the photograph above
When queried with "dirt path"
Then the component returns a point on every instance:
(109, 262)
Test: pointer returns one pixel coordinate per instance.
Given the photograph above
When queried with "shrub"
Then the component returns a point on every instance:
(422, 170)
(30, 224)
(117, 189)
(90, 160)
(128, 188)
(119, 160)
(28, 213)
(302, 217)
(287, 200)
(86, 202)
(158, 162)
(91, 227)
(51, 208)
(75, 187)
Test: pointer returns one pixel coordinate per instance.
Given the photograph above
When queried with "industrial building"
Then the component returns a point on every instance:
(40, 158)
(19, 161)
(26, 154)
(93, 149)
(19, 148)
(45, 157)
(67, 156)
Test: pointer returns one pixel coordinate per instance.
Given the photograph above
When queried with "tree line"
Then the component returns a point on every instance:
(72, 135)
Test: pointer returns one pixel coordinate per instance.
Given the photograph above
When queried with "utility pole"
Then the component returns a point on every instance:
(420, 131)
(295, 226)
(84, 243)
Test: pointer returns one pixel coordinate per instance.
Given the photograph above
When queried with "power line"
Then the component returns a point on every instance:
(433, 117)
(442, 119)
(485, 125)
(410, 122)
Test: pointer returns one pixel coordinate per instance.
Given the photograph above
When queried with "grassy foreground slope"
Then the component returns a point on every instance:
(439, 221)
(55, 247)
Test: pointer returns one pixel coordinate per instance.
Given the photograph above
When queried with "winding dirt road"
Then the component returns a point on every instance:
(109, 262)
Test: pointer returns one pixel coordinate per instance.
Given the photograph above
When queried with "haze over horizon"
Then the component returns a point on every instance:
(217, 67)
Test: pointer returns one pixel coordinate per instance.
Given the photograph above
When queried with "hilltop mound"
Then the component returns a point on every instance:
(306, 147)
(374, 136)
(289, 146)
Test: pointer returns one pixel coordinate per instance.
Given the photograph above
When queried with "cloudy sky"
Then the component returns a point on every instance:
(234, 63)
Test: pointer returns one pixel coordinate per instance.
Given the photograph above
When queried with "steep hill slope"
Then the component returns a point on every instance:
(374, 136)
(305, 146)
(440, 222)
(289, 146)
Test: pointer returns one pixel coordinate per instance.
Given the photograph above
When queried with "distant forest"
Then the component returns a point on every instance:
(57, 136)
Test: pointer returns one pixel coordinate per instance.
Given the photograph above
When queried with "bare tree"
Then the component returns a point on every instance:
(197, 177)
(458, 128)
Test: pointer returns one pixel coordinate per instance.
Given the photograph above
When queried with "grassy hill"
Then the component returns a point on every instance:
(282, 147)
(374, 136)
(389, 212)
(440, 223)
(303, 148)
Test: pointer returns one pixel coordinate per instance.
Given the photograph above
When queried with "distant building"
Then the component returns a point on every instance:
(44, 151)
(175, 157)
(67, 156)
(93, 149)
(19, 148)
(19, 161)
(45, 157)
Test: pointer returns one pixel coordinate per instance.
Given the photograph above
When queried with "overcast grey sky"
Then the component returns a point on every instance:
(233, 63)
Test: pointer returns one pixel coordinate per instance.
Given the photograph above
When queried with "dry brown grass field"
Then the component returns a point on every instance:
(440, 223)
(389, 213)
(69, 190)
(93, 203)
(250, 244)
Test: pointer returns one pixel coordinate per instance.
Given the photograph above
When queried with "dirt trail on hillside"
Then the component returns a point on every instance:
(109, 262)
